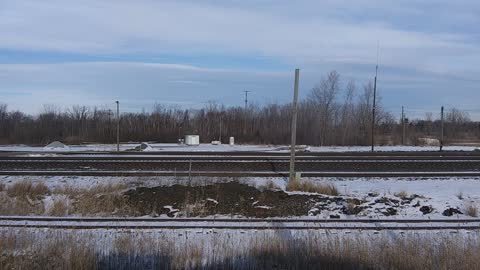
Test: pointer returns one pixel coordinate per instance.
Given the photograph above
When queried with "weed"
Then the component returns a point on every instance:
(309, 186)
(472, 210)
(59, 208)
(26, 189)
(271, 185)
(402, 194)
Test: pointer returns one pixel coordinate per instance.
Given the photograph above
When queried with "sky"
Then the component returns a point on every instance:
(188, 53)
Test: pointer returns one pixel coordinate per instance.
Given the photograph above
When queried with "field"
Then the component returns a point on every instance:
(234, 208)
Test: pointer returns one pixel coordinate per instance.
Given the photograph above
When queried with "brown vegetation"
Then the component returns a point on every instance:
(26, 189)
(472, 210)
(97, 200)
(67, 250)
(309, 186)
(402, 194)
(59, 208)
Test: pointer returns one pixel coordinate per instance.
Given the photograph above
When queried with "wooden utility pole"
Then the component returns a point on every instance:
(403, 127)
(118, 125)
(294, 125)
(374, 108)
(441, 132)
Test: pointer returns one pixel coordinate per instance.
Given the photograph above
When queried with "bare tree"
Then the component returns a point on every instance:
(323, 97)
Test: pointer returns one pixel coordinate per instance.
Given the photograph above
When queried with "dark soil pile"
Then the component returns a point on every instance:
(221, 198)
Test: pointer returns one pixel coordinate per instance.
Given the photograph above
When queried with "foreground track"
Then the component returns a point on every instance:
(239, 224)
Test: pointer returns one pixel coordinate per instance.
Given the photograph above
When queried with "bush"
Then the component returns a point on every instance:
(26, 189)
(59, 208)
(472, 210)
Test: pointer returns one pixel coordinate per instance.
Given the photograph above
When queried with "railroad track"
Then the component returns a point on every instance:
(144, 173)
(418, 164)
(238, 223)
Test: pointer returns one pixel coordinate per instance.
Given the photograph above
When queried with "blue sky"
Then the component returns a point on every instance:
(187, 53)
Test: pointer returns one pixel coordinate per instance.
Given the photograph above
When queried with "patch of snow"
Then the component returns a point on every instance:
(55, 146)
(212, 200)
(263, 207)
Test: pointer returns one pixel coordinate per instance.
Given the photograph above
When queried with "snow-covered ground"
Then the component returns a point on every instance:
(224, 148)
(373, 195)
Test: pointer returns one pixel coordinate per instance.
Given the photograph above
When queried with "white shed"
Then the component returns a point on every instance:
(192, 139)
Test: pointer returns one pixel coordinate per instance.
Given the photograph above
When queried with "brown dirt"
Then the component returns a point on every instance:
(233, 199)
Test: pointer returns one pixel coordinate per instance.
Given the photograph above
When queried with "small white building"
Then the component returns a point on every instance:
(192, 139)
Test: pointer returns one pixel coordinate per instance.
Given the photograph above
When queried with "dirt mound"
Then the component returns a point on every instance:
(222, 199)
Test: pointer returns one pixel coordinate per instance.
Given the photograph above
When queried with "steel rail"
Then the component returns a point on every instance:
(125, 173)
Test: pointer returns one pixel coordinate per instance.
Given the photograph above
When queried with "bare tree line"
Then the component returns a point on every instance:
(334, 113)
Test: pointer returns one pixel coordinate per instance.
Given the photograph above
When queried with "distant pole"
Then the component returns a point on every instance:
(374, 108)
(246, 108)
(220, 136)
(441, 132)
(118, 125)
(403, 126)
(294, 125)
(246, 100)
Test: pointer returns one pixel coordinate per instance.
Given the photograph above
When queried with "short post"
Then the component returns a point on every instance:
(294, 125)
(441, 132)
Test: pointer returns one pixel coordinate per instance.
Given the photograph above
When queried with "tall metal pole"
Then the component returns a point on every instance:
(118, 125)
(374, 108)
(294, 125)
(403, 127)
(441, 132)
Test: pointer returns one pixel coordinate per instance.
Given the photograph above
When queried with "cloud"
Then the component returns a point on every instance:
(311, 33)
(427, 48)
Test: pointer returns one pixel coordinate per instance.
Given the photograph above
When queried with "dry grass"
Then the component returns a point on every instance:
(23, 198)
(460, 195)
(56, 253)
(59, 208)
(309, 186)
(2, 187)
(133, 250)
(402, 194)
(26, 198)
(196, 209)
(271, 185)
(98, 200)
(26, 189)
(471, 210)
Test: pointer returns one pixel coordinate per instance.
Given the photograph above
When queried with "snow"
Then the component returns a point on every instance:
(56, 146)
(162, 147)
(212, 200)
(438, 192)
